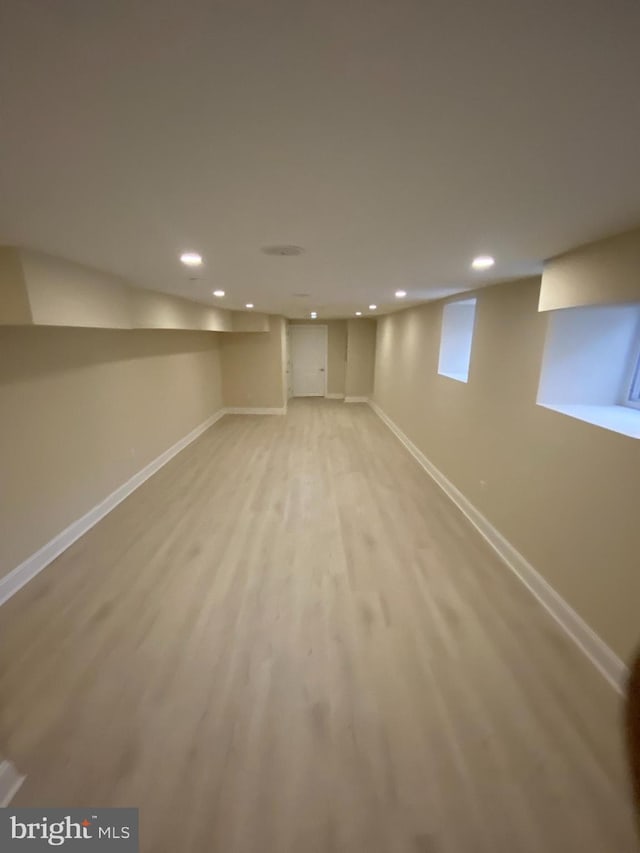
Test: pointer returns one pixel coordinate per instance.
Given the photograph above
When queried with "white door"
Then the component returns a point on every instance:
(309, 360)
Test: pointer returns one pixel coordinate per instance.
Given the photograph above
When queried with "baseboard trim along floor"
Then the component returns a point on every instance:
(33, 565)
(600, 655)
(603, 658)
(10, 782)
(255, 410)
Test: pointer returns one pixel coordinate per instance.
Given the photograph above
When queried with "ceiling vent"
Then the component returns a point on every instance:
(283, 251)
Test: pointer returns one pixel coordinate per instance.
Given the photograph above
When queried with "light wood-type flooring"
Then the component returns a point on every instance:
(288, 641)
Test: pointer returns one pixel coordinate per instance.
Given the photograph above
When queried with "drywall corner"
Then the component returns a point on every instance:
(15, 309)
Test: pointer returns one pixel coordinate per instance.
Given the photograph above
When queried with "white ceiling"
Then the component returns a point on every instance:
(392, 140)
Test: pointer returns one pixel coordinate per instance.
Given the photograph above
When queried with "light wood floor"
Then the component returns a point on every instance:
(290, 641)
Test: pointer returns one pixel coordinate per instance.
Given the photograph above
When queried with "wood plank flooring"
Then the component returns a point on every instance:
(290, 640)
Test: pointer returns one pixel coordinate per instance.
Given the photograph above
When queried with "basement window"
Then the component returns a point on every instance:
(634, 388)
(591, 366)
(455, 342)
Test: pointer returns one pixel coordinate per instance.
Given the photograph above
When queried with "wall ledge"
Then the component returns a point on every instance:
(600, 655)
(621, 419)
(39, 289)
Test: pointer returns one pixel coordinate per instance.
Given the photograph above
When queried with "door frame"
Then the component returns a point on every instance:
(326, 353)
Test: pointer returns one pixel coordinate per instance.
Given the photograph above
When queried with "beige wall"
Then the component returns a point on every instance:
(336, 356)
(563, 492)
(249, 321)
(599, 273)
(361, 347)
(253, 367)
(153, 310)
(284, 359)
(82, 410)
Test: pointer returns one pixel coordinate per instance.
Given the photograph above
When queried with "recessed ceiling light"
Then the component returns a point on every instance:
(218, 292)
(400, 294)
(372, 307)
(482, 262)
(191, 259)
(249, 305)
(358, 313)
(314, 314)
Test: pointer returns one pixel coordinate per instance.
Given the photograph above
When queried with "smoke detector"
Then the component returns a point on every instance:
(283, 251)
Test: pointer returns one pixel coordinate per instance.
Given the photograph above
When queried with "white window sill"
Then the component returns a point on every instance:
(459, 377)
(622, 419)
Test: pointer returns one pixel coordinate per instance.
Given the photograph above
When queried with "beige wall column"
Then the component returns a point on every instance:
(361, 348)
(253, 367)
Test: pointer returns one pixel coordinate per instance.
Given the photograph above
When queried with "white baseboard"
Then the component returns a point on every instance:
(334, 396)
(10, 782)
(600, 655)
(259, 410)
(356, 399)
(22, 574)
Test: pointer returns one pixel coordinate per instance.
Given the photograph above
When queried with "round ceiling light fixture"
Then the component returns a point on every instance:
(400, 294)
(314, 314)
(249, 305)
(218, 293)
(483, 262)
(283, 251)
(358, 313)
(372, 307)
(191, 259)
